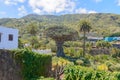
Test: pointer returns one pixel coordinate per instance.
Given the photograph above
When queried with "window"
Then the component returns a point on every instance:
(10, 37)
(0, 37)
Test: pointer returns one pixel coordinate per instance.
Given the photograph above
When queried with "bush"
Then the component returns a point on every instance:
(73, 52)
(33, 65)
(102, 67)
(72, 44)
(86, 61)
(85, 73)
(114, 67)
(115, 53)
(58, 65)
(54, 49)
(101, 58)
(103, 44)
(79, 62)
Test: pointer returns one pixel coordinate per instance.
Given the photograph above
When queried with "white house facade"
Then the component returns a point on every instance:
(8, 38)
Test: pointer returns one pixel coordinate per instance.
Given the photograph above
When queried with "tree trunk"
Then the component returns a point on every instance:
(84, 43)
(60, 52)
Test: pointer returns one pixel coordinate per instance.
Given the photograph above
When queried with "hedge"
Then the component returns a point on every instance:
(33, 65)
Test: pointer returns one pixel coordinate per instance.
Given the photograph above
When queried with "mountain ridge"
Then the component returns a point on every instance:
(99, 21)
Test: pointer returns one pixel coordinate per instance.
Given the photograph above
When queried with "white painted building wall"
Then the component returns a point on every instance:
(5, 43)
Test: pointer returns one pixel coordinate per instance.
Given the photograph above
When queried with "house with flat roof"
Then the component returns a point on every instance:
(109, 39)
(8, 38)
(94, 39)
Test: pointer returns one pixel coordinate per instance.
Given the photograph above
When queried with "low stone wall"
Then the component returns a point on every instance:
(96, 51)
(9, 69)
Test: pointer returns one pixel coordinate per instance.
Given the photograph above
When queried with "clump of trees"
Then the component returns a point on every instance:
(117, 34)
(103, 44)
(60, 34)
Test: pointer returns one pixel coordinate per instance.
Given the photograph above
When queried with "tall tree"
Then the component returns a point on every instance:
(32, 28)
(61, 34)
(84, 27)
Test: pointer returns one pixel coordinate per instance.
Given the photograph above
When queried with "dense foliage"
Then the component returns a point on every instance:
(33, 65)
(84, 73)
(117, 34)
(103, 44)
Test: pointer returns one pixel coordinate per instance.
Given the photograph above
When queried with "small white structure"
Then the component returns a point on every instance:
(8, 38)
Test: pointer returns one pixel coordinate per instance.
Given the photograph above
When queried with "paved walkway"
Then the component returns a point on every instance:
(46, 51)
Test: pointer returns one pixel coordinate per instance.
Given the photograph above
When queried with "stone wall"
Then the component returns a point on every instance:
(9, 69)
(96, 51)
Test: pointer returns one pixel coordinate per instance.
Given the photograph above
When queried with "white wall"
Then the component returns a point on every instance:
(5, 43)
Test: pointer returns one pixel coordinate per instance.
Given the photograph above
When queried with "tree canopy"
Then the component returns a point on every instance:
(85, 26)
(61, 33)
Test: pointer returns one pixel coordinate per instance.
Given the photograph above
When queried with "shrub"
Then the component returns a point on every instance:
(101, 58)
(33, 65)
(102, 67)
(54, 49)
(86, 61)
(115, 53)
(114, 67)
(85, 73)
(79, 62)
(58, 65)
(103, 44)
(73, 52)
(73, 44)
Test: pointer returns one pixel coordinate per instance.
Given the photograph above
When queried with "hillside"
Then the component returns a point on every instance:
(102, 23)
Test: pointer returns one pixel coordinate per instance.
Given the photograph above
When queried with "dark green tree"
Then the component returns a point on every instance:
(84, 27)
(32, 28)
(103, 44)
(60, 34)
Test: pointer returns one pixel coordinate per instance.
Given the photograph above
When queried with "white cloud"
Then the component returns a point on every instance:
(118, 2)
(13, 2)
(91, 11)
(22, 1)
(97, 1)
(84, 11)
(52, 6)
(22, 11)
(9, 2)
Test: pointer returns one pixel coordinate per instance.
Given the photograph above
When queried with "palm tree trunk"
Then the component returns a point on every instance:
(84, 43)
(60, 52)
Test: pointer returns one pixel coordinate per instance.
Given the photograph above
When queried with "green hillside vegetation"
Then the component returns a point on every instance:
(103, 24)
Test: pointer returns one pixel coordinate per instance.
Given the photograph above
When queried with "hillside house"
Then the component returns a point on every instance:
(109, 39)
(8, 38)
(94, 39)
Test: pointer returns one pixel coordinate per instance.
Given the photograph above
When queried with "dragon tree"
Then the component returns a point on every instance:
(60, 34)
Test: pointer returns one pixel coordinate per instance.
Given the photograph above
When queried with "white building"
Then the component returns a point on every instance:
(8, 38)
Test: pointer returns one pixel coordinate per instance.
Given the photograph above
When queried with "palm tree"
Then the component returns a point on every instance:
(84, 27)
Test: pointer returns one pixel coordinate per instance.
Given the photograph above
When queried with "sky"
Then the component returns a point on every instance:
(20, 8)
